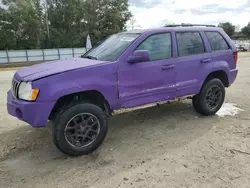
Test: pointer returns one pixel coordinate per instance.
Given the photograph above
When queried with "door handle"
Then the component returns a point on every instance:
(206, 60)
(167, 67)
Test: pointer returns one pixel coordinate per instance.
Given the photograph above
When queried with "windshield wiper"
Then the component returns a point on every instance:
(89, 57)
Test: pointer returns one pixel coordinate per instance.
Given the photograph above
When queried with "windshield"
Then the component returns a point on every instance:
(112, 47)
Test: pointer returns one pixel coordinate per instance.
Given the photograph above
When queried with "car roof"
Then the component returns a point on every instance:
(177, 28)
(136, 31)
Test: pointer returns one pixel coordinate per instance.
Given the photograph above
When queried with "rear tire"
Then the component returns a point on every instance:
(209, 101)
(80, 129)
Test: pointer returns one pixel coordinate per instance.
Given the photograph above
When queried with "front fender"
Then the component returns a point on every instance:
(54, 87)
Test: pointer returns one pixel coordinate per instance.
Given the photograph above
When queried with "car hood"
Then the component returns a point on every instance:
(54, 67)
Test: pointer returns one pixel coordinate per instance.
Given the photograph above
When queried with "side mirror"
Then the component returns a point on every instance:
(139, 56)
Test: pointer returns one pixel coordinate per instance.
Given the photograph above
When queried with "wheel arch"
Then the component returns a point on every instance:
(92, 96)
(219, 74)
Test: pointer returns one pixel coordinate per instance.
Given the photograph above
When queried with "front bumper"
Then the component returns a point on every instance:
(34, 113)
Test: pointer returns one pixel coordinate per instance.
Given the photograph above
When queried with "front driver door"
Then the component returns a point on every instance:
(152, 81)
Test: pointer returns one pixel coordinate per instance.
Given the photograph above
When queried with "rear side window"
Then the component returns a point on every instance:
(217, 42)
(159, 46)
(189, 43)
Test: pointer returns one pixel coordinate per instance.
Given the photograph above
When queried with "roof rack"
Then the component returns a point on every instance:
(188, 25)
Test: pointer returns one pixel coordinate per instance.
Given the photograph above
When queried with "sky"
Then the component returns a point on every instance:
(157, 13)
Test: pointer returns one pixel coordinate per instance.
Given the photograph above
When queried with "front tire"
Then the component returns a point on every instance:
(209, 101)
(80, 129)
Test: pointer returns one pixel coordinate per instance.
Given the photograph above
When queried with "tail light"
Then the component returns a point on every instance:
(235, 57)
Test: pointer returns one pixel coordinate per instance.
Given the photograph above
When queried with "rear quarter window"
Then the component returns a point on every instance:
(217, 42)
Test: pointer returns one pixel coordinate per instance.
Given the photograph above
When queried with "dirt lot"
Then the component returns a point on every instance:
(166, 146)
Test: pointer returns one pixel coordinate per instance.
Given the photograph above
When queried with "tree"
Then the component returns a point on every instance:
(26, 24)
(228, 27)
(105, 17)
(246, 30)
(7, 38)
(64, 23)
(21, 24)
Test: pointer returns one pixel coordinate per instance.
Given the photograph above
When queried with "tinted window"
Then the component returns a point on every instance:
(189, 43)
(217, 42)
(159, 46)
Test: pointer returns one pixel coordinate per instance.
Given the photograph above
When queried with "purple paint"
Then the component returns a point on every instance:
(139, 56)
(124, 76)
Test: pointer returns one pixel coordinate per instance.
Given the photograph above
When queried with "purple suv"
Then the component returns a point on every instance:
(127, 70)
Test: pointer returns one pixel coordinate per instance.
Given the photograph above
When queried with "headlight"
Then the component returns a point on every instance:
(26, 92)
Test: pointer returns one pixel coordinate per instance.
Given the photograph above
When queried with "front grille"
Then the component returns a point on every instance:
(14, 88)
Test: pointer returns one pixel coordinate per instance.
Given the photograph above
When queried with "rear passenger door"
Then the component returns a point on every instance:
(191, 54)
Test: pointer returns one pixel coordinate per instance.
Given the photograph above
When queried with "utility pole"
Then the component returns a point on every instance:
(133, 21)
(134, 24)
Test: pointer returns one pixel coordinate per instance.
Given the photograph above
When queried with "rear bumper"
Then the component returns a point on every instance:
(233, 76)
(35, 114)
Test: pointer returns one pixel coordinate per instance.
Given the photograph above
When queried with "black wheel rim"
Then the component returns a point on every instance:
(82, 130)
(213, 97)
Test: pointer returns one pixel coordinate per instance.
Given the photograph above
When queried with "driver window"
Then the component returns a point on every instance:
(159, 46)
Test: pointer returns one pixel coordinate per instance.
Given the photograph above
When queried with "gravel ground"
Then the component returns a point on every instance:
(166, 146)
